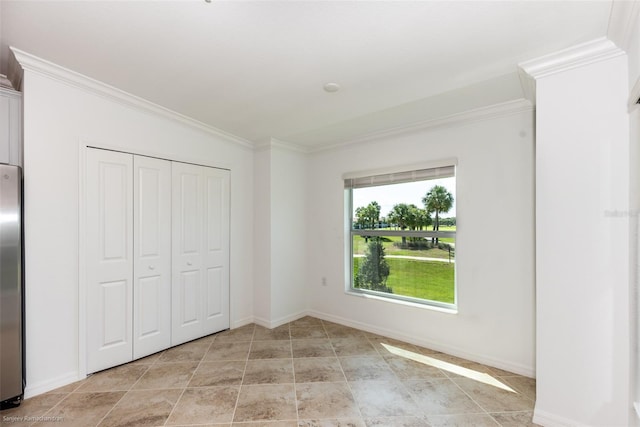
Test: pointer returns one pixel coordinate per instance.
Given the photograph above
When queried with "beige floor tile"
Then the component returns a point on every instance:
(205, 406)
(524, 385)
(494, 399)
(307, 332)
(325, 400)
(515, 419)
(84, 409)
(270, 349)
(268, 371)
(244, 333)
(366, 368)
(307, 321)
(353, 347)
(383, 399)
(396, 422)
(227, 351)
(290, 376)
(320, 347)
(343, 422)
(148, 360)
(120, 378)
(142, 408)
(267, 424)
(344, 332)
(462, 420)
(69, 388)
(408, 369)
(167, 375)
(209, 374)
(264, 334)
(386, 346)
(317, 369)
(30, 409)
(266, 402)
(455, 363)
(190, 352)
(440, 397)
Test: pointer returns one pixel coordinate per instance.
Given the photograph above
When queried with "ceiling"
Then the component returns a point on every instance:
(256, 69)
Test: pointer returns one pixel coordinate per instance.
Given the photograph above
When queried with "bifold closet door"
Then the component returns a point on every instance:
(200, 261)
(109, 224)
(152, 256)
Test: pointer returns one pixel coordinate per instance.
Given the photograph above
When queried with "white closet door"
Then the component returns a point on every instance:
(200, 256)
(110, 258)
(187, 230)
(152, 256)
(216, 250)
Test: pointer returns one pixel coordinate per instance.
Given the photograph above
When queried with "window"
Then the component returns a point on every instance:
(402, 235)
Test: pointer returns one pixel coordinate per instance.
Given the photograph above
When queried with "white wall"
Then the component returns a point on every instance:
(495, 259)
(262, 237)
(582, 246)
(633, 53)
(280, 235)
(57, 117)
(290, 231)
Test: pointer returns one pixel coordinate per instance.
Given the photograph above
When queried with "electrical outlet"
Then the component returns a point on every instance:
(324, 281)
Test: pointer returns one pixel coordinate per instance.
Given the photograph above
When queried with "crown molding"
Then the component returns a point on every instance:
(285, 145)
(623, 18)
(8, 92)
(490, 112)
(14, 71)
(528, 84)
(43, 67)
(576, 56)
(291, 146)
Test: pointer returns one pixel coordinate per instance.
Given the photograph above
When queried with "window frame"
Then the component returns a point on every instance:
(351, 232)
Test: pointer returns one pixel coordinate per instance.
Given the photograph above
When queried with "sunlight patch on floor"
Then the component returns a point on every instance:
(449, 367)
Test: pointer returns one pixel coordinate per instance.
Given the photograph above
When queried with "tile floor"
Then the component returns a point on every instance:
(306, 373)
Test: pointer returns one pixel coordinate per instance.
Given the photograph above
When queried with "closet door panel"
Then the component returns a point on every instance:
(187, 230)
(109, 207)
(216, 253)
(152, 247)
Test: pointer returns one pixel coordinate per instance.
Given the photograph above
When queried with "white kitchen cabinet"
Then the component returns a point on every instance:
(10, 126)
(157, 255)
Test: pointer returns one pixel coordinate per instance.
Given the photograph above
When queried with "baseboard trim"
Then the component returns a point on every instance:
(551, 420)
(270, 324)
(52, 384)
(454, 351)
(243, 322)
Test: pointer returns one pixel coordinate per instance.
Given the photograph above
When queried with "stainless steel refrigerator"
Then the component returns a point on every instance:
(11, 287)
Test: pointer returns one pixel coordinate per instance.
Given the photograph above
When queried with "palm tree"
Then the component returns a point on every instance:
(437, 200)
(401, 216)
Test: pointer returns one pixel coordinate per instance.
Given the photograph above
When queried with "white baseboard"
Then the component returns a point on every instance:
(35, 389)
(454, 351)
(547, 419)
(281, 321)
(242, 322)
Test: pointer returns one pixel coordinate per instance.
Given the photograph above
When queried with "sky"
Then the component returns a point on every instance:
(410, 193)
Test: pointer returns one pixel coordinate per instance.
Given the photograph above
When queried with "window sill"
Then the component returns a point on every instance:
(402, 302)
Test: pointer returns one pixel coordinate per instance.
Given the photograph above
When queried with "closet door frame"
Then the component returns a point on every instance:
(84, 145)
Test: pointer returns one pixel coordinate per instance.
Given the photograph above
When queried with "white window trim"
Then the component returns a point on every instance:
(350, 232)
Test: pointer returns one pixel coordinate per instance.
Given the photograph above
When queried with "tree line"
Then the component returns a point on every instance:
(374, 270)
(437, 200)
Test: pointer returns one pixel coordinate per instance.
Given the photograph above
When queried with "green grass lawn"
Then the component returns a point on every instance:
(431, 280)
(359, 247)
